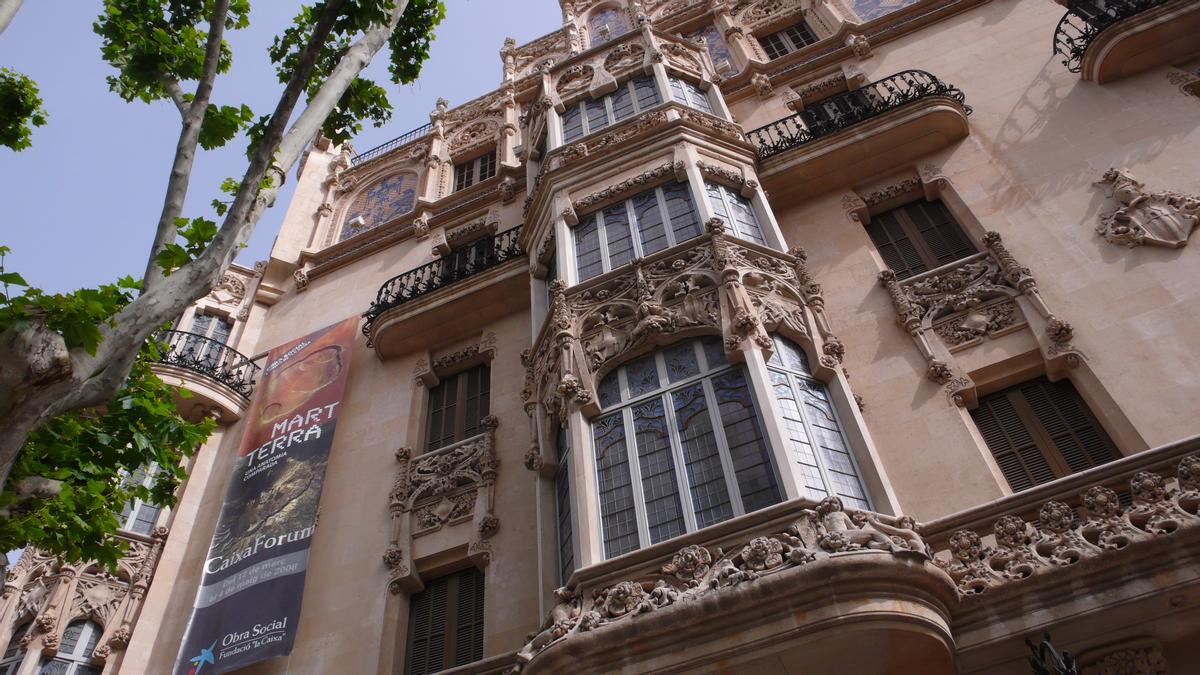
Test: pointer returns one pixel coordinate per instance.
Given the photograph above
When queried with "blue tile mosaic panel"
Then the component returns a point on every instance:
(868, 10)
(384, 201)
(616, 20)
(718, 49)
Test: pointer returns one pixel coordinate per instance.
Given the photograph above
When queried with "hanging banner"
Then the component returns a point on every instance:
(248, 604)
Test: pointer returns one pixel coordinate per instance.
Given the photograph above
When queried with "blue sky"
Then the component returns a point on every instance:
(80, 205)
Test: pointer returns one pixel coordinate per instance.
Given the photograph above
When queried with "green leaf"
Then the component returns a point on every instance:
(20, 110)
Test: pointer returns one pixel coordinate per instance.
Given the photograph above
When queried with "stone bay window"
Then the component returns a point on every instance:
(667, 396)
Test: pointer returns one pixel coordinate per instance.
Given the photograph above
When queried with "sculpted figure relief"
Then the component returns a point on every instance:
(1157, 218)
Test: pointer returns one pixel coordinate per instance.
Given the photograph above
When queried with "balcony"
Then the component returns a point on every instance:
(858, 133)
(381, 150)
(796, 583)
(220, 377)
(470, 286)
(1106, 40)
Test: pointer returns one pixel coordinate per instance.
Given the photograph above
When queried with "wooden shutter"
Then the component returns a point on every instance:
(457, 405)
(1040, 430)
(918, 237)
(445, 623)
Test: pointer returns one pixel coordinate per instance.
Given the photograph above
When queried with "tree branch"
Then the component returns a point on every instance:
(171, 86)
(8, 9)
(185, 148)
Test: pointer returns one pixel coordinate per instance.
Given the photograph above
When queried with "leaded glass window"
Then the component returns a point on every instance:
(818, 446)
(590, 115)
(644, 224)
(689, 94)
(14, 653)
(74, 651)
(678, 446)
(738, 213)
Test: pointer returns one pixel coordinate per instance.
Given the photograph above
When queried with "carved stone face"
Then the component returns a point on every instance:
(829, 505)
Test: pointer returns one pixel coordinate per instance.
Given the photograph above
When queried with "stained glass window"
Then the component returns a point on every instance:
(74, 651)
(631, 97)
(679, 446)
(737, 212)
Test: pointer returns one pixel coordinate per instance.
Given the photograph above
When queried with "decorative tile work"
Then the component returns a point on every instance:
(616, 20)
(718, 49)
(869, 10)
(391, 197)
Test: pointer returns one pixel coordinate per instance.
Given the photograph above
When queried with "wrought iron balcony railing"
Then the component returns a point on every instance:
(380, 150)
(210, 358)
(1085, 19)
(830, 115)
(481, 255)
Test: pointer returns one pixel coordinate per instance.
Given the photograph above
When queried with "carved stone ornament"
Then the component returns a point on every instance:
(859, 45)
(230, 290)
(444, 487)
(962, 305)
(626, 186)
(301, 278)
(1155, 218)
(1060, 538)
(1143, 656)
(762, 84)
(713, 285)
(696, 571)
(639, 126)
(53, 594)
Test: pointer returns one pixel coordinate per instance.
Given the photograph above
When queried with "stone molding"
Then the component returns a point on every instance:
(819, 535)
(965, 301)
(54, 594)
(1164, 219)
(444, 487)
(1164, 507)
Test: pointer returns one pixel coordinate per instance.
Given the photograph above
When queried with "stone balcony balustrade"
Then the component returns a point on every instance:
(799, 582)
(221, 378)
(469, 284)
(1105, 40)
(849, 136)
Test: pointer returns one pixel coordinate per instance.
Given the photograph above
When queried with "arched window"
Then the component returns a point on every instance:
(815, 437)
(607, 24)
(379, 204)
(678, 446)
(74, 655)
(14, 653)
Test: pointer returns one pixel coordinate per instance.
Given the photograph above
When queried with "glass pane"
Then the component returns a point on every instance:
(587, 249)
(835, 453)
(70, 638)
(714, 352)
(717, 202)
(789, 355)
(609, 390)
(615, 486)
(55, 667)
(616, 231)
(677, 91)
(798, 442)
(744, 218)
(684, 222)
(143, 522)
(622, 102)
(664, 517)
(572, 122)
(751, 463)
(562, 499)
(710, 494)
(647, 93)
(650, 222)
(698, 99)
(681, 361)
(597, 115)
(642, 376)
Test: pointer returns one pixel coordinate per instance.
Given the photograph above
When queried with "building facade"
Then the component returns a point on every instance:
(728, 336)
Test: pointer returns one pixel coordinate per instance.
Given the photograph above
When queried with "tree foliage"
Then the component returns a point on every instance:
(99, 413)
(66, 488)
(20, 109)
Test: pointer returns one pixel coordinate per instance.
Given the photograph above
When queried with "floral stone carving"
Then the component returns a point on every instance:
(695, 571)
(1155, 218)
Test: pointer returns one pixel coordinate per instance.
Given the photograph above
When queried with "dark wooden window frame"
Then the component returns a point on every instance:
(458, 613)
(784, 37)
(465, 423)
(1048, 449)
